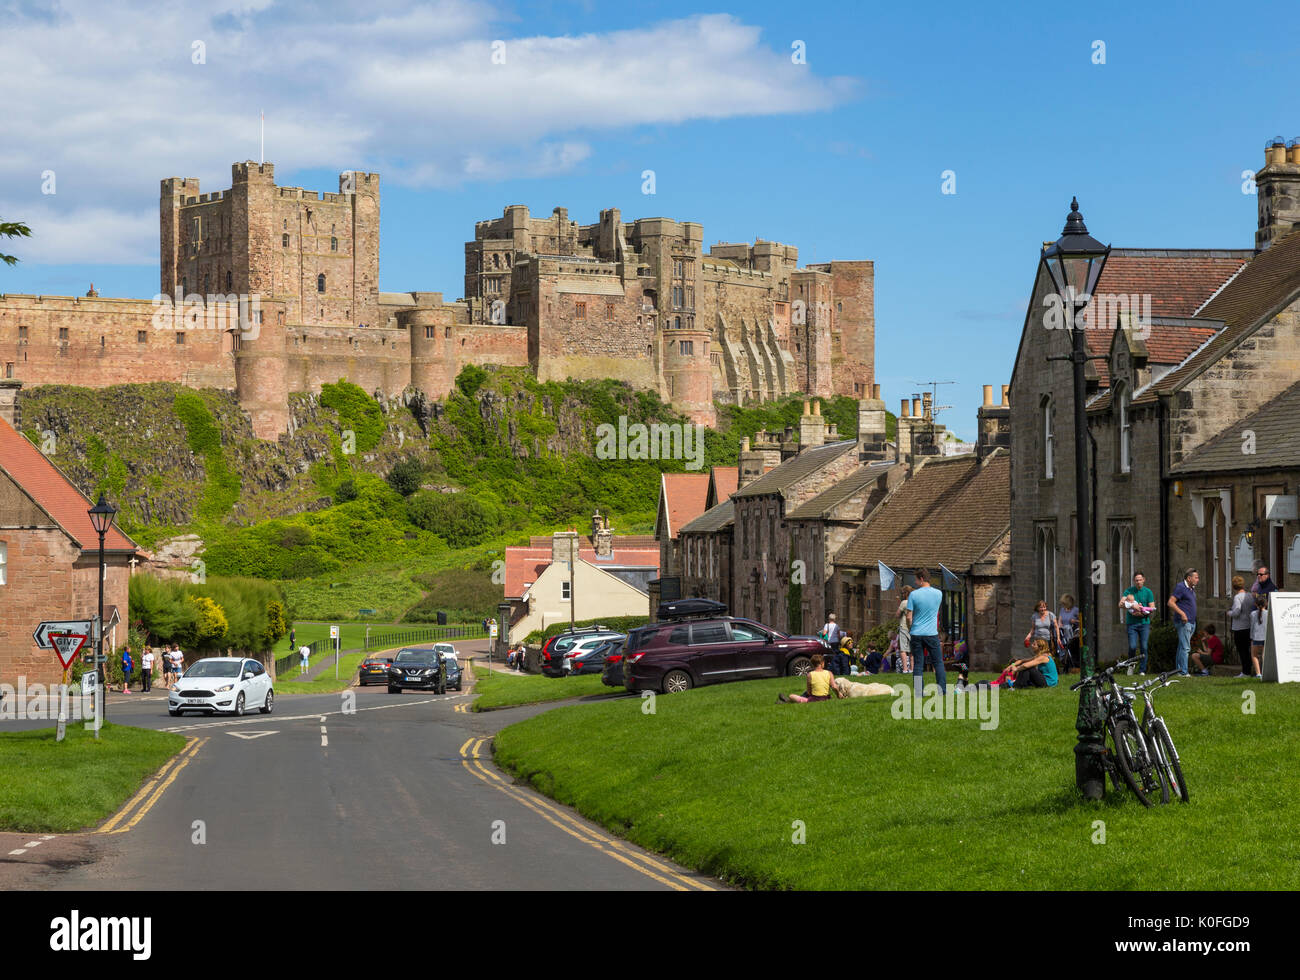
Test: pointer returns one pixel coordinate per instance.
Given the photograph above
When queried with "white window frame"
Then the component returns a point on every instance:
(566, 592)
(4, 563)
(1049, 440)
(1125, 431)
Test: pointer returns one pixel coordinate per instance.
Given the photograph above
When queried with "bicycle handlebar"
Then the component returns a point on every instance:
(1107, 672)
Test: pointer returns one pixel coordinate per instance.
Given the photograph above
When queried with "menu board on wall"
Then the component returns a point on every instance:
(1282, 642)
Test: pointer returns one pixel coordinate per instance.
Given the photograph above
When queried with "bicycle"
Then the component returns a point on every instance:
(1129, 757)
(1157, 736)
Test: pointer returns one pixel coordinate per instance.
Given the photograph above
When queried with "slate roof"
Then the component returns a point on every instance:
(1263, 288)
(820, 506)
(683, 496)
(951, 511)
(714, 519)
(54, 493)
(1277, 441)
(1178, 281)
(783, 477)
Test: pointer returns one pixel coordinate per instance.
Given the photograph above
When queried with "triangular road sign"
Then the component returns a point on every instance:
(250, 734)
(67, 645)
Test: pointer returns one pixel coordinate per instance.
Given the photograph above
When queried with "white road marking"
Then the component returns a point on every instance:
(20, 850)
(254, 721)
(251, 734)
(324, 740)
(34, 843)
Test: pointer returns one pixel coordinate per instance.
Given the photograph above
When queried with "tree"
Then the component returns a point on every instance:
(405, 476)
(13, 229)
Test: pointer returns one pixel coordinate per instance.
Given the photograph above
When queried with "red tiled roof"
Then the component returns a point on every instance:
(524, 564)
(1178, 281)
(683, 496)
(726, 481)
(54, 492)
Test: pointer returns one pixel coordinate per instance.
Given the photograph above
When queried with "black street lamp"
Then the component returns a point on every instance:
(101, 518)
(1074, 263)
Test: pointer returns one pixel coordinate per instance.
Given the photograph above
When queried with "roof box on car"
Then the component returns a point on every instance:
(685, 608)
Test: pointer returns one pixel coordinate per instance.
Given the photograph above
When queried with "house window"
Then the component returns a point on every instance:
(1217, 553)
(1123, 559)
(63, 333)
(566, 590)
(581, 312)
(1045, 562)
(1049, 439)
(334, 244)
(142, 336)
(1125, 430)
(284, 241)
(180, 336)
(320, 283)
(4, 563)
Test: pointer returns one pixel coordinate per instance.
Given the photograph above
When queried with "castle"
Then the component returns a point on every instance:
(639, 301)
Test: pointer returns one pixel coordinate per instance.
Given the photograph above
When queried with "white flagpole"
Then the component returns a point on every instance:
(262, 150)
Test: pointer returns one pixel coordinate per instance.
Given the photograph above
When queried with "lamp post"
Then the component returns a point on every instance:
(101, 518)
(1074, 263)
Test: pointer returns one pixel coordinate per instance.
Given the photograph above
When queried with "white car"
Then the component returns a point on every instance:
(448, 652)
(233, 684)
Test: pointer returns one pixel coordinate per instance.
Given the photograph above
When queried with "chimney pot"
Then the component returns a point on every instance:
(817, 406)
(903, 412)
(916, 408)
(806, 410)
(988, 396)
(1005, 390)
(875, 391)
(744, 444)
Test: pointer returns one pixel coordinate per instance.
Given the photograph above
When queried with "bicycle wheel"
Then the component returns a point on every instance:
(1124, 739)
(1173, 770)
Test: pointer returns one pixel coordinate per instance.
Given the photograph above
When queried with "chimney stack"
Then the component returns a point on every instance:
(750, 464)
(812, 427)
(564, 544)
(9, 388)
(993, 424)
(871, 427)
(1277, 188)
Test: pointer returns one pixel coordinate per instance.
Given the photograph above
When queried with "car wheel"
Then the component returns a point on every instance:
(239, 704)
(394, 690)
(174, 714)
(270, 703)
(800, 666)
(676, 681)
(459, 688)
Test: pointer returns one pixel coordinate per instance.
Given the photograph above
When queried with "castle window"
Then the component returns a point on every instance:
(180, 336)
(9, 369)
(284, 241)
(581, 312)
(320, 283)
(63, 333)
(428, 333)
(286, 223)
(142, 336)
(677, 268)
(638, 321)
(101, 341)
(334, 244)
(229, 280)
(688, 347)
(22, 333)
(496, 260)
(839, 307)
(446, 331)
(677, 323)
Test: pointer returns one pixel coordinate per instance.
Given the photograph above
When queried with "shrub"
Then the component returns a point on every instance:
(461, 519)
(470, 380)
(405, 476)
(620, 624)
(357, 411)
(1163, 645)
(347, 490)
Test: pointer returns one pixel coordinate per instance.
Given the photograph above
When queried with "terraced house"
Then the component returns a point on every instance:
(1208, 361)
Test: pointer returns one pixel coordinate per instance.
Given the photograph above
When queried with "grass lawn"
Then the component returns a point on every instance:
(64, 786)
(722, 779)
(497, 690)
(325, 683)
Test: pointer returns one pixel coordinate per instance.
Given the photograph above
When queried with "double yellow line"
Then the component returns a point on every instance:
(150, 793)
(617, 849)
(462, 708)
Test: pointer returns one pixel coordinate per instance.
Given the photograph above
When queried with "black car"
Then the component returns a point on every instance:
(611, 673)
(420, 668)
(373, 670)
(593, 661)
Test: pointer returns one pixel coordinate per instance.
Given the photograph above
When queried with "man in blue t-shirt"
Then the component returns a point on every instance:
(1183, 605)
(923, 618)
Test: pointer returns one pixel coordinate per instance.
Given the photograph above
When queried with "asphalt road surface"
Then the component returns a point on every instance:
(399, 793)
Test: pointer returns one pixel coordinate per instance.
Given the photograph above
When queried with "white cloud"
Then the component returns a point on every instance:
(107, 96)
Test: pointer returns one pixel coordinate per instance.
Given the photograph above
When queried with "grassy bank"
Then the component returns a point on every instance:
(497, 690)
(65, 786)
(725, 780)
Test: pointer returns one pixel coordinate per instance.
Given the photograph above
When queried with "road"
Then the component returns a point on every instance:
(386, 796)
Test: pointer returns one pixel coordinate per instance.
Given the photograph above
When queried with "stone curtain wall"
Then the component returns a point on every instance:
(103, 346)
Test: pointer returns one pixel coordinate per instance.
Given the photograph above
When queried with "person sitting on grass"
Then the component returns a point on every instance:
(1038, 670)
(821, 683)
(843, 657)
(1208, 652)
(876, 662)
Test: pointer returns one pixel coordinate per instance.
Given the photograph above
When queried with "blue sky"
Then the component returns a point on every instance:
(842, 156)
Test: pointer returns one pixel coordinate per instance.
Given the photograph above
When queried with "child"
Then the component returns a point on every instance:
(1258, 633)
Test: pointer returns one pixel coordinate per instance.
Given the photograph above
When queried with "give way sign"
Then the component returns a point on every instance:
(67, 646)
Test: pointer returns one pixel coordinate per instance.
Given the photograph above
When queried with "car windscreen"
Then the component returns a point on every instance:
(214, 668)
(446, 649)
(415, 657)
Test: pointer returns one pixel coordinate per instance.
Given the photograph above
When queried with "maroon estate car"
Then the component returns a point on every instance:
(680, 654)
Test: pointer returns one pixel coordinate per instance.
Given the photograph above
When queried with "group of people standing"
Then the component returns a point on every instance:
(170, 657)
